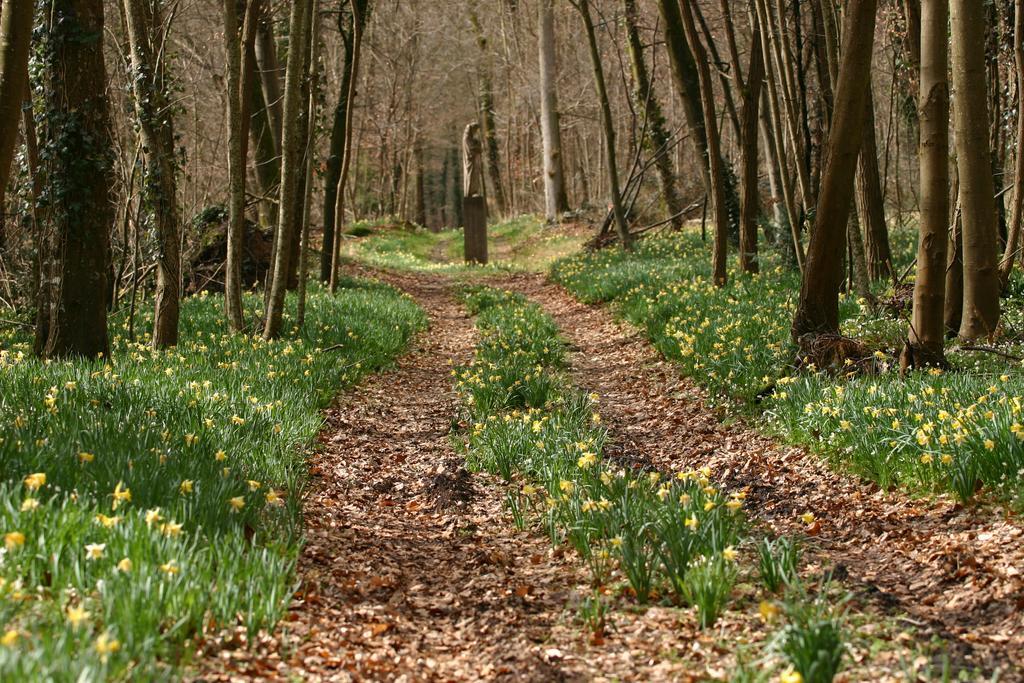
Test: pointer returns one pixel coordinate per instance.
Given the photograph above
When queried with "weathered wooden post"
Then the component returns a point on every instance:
(474, 204)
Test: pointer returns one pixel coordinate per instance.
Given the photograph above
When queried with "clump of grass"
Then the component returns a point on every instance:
(708, 587)
(812, 640)
(153, 497)
(778, 562)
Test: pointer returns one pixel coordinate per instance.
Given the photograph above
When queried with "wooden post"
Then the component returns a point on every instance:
(474, 204)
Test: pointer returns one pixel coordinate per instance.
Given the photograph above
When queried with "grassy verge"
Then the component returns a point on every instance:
(959, 432)
(154, 498)
(520, 243)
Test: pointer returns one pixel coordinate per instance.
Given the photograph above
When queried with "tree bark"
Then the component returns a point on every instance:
(79, 160)
(749, 115)
(1017, 209)
(487, 119)
(609, 125)
(974, 160)
(298, 32)
(361, 10)
(657, 139)
(715, 163)
(15, 35)
(307, 195)
(336, 149)
(818, 308)
(926, 338)
(870, 203)
(145, 28)
(556, 201)
(687, 84)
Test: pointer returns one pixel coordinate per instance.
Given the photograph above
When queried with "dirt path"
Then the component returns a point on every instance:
(411, 570)
(954, 574)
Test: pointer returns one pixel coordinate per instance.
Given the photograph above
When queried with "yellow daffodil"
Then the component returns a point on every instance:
(14, 539)
(29, 504)
(791, 676)
(808, 518)
(106, 645)
(9, 638)
(237, 503)
(125, 565)
(768, 611)
(121, 494)
(86, 457)
(76, 615)
(94, 551)
(185, 487)
(36, 481)
(729, 553)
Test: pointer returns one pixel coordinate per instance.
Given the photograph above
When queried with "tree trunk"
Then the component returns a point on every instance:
(715, 164)
(749, 114)
(1017, 209)
(298, 33)
(556, 201)
(303, 124)
(974, 160)
(307, 185)
(870, 203)
(336, 149)
(687, 83)
(239, 77)
(657, 139)
(487, 121)
(360, 14)
(146, 35)
(818, 308)
(609, 126)
(79, 159)
(926, 338)
(15, 35)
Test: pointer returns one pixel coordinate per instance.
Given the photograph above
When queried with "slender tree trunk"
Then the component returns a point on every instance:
(360, 9)
(145, 28)
(15, 34)
(303, 124)
(239, 72)
(818, 308)
(487, 118)
(337, 148)
(1017, 209)
(299, 32)
(78, 144)
(974, 159)
(307, 195)
(657, 139)
(716, 167)
(870, 203)
(925, 338)
(608, 122)
(555, 199)
(687, 83)
(749, 115)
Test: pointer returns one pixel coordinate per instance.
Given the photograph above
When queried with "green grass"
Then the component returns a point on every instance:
(171, 503)
(958, 432)
(520, 243)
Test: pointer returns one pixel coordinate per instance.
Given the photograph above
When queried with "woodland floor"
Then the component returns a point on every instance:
(412, 570)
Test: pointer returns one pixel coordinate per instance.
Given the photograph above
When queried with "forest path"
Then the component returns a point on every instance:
(954, 573)
(411, 570)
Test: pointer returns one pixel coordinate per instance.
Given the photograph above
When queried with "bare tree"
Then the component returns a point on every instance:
(555, 200)
(15, 31)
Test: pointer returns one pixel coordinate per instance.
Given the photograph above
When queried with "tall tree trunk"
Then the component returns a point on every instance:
(556, 201)
(79, 159)
(290, 145)
(925, 339)
(146, 36)
(487, 118)
(307, 185)
(266, 159)
(336, 149)
(818, 308)
(1017, 209)
(15, 35)
(618, 210)
(749, 115)
(870, 203)
(303, 124)
(239, 68)
(974, 160)
(716, 167)
(657, 139)
(687, 84)
(360, 14)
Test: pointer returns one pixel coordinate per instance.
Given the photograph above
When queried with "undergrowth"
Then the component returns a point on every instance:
(958, 431)
(152, 499)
